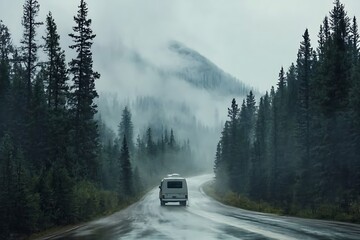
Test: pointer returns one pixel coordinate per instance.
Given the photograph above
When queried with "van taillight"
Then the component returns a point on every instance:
(185, 195)
(163, 196)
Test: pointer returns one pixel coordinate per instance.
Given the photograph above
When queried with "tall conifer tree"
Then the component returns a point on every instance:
(29, 46)
(82, 96)
(126, 128)
(6, 48)
(126, 175)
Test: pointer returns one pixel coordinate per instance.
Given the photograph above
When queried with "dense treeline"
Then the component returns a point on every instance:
(299, 148)
(155, 153)
(58, 164)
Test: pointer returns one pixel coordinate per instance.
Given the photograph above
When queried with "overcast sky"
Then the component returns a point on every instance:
(250, 39)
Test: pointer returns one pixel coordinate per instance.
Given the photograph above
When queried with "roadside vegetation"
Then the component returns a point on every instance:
(298, 149)
(59, 163)
(325, 212)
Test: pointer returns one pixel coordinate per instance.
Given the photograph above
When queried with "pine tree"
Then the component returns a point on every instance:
(126, 128)
(57, 92)
(304, 69)
(82, 97)
(251, 115)
(38, 126)
(18, 111)
(126, 176)
(29, 45)
(6, 49)
(258, 176)
(234, 163)
(292, 93)
(354, 42)
(172, 142)
(150, 144)
(222, 166)
(56, 87)
(335, 82)
(217, 162)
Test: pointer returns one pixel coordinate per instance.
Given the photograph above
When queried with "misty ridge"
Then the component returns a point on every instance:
(91, 126)
(178, 87)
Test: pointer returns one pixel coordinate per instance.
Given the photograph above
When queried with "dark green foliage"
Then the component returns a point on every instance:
(304, 74)
(150, 144)
(304, 151)
(125, 173)
(57, 167)
(7, 183)
(126, 129)
(55, 70)
(6, 49)
(172, 142)
(29, 45)
(19, 204)
(83, 93)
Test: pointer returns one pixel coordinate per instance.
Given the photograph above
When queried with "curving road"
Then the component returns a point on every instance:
(204, 218)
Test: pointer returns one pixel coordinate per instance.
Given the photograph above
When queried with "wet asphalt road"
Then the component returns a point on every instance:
(204, 218)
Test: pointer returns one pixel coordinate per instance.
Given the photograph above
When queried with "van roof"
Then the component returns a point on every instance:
(173, 175)
(174, 178)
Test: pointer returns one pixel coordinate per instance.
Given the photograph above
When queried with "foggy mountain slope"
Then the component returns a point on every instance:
(175, 88)
(203, 73)
(173, 61)
(177, 77)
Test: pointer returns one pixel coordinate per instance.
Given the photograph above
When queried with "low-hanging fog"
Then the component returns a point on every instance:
(133, 54)
(178, 89)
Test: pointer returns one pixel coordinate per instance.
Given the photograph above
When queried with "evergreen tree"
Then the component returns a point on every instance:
(233, 157)
(172, 142)
(292, 92)
(18, 112)
(354, 101)
(126, 176)
(29, 45)
(82, 97)
(354, 42)
(56, 87)
(258, 181)
(304, 72)
(222, 164)
(38, 126)
(150, 144)
(6, 49)
(336, 81)
(251, 114)
(57, 90)
(217, 161)
(126, 128)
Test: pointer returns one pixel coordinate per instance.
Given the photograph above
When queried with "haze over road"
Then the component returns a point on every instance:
(204, 218)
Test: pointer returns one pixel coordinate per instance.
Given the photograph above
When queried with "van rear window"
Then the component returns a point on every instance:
(174, 184)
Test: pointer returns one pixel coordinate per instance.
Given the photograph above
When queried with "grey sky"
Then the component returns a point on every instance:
(250, 39)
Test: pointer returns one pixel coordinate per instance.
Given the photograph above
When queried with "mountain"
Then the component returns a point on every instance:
(176, 88)
(202, 73)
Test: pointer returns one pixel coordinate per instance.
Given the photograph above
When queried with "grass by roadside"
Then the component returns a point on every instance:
(323, 211)
(236, 200)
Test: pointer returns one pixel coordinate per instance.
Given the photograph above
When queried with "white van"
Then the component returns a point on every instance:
(173, 188)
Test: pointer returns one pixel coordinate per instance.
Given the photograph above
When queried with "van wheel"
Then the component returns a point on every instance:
(162, 203)
(183, 203)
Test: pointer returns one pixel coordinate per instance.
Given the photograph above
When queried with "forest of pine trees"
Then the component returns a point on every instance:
(58, 164)
(299, 149)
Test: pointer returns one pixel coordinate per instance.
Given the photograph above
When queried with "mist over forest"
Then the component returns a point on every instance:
(188, 92)
(87, 127)
(70, 152)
